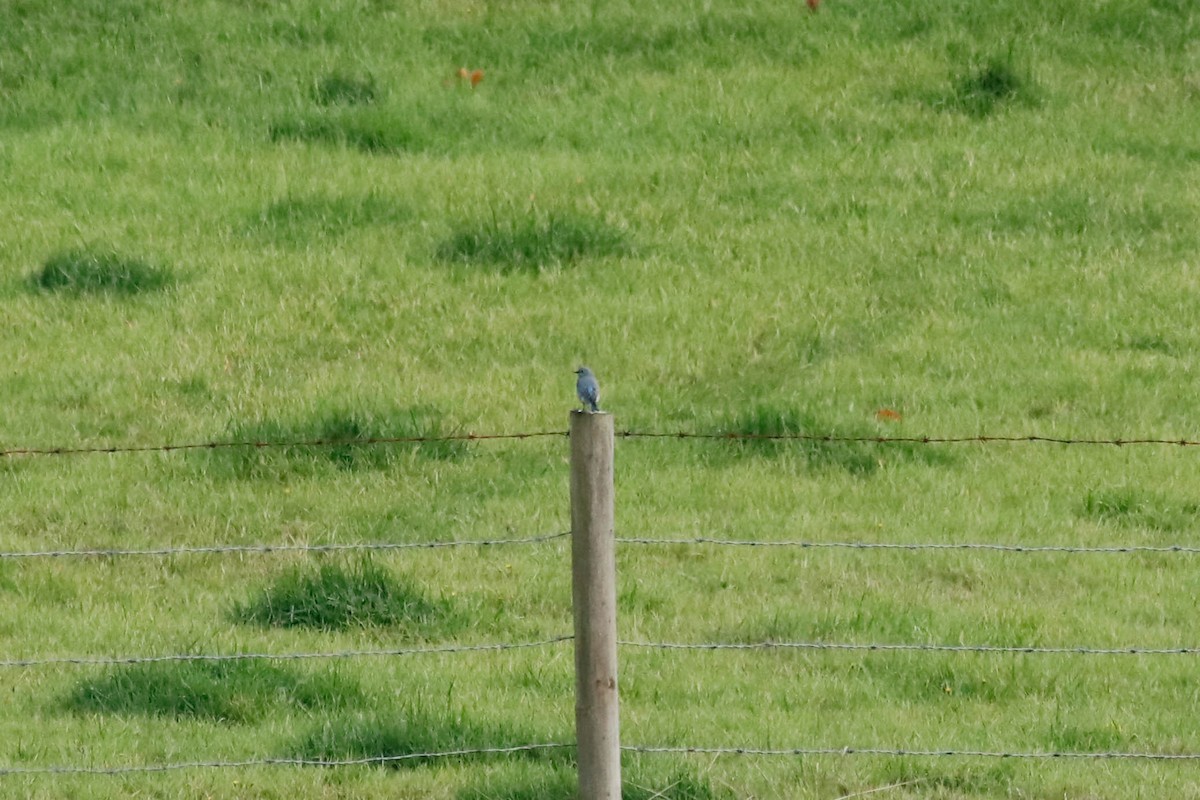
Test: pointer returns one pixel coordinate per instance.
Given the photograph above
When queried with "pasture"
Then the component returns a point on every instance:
(233, 220)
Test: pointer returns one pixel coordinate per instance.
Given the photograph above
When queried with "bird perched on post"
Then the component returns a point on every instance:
(587, 389)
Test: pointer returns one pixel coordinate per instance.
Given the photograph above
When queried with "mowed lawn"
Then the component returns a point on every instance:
(233, 221)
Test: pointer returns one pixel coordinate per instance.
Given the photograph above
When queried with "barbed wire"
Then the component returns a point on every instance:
(336, 654)
(1011, 548)
(837, 439)
(260, 445)
(936, 648)
(883, 751)
(266, 548)
(626, 434)
(705, 646)
(282, 762)
(277, 548)
(539, 747)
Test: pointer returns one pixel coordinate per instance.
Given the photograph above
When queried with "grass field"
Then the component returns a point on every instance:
(229, 220)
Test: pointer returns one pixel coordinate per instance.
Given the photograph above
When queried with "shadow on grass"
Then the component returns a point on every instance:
(873, 617)
(226, 691)
(441, 123)
(99, 272)
(299, 220)
(938, 680)
(669, 44)
(345, 440)
(876, 617)
(1069, 211)
(1078, 738)
(333, 596)
(1137, 508)
(534, 242)
(1154, 343)
(986, 86)
(925, 778)
(340, 88)
(563, 784)
(826, 449)
(411, 732)
(369, 129)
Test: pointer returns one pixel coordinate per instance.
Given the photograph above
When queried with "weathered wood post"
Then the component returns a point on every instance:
(594, 597)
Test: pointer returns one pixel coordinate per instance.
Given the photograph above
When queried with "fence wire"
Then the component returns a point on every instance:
(505, 750)
(282, 762)
(68, 769)
(627, 434)
(261, 445)
(925, 648)
(884, 751)
(643, 645)
(974, 439)
(276, 548)
(267, 548)
(336, 654)
(1007, 548)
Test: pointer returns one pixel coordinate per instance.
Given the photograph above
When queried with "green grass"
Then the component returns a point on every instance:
(333, 596)
(1136, 508)
(370, 131)
(251, 222)
(534, 244)
(841, 450)
(339, 88)
(408, 731)
(562, 784)
(83, 272)
(992, 84)
(299, 221)
(229, 691)
(340, 440)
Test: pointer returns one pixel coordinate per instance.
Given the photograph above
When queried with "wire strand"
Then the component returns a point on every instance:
(1009, 548)
(278, 762)
(976, 439)
(69, 769)
(319, 442)
(701, 646)
(265, 548)
(276, 548)
(627, 434)
(883, 751)
(178, 657)
(934, 648)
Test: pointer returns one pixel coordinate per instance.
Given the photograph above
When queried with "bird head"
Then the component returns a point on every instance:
(583, 371)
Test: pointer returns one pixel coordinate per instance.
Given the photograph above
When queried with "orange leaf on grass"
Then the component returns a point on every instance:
(888, 415)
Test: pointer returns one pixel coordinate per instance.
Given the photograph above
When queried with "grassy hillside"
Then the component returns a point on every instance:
(246, 221)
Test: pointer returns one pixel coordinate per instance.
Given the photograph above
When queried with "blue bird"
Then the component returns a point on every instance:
(587, 389)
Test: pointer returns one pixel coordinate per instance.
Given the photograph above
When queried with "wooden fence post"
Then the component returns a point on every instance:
(594, 598)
